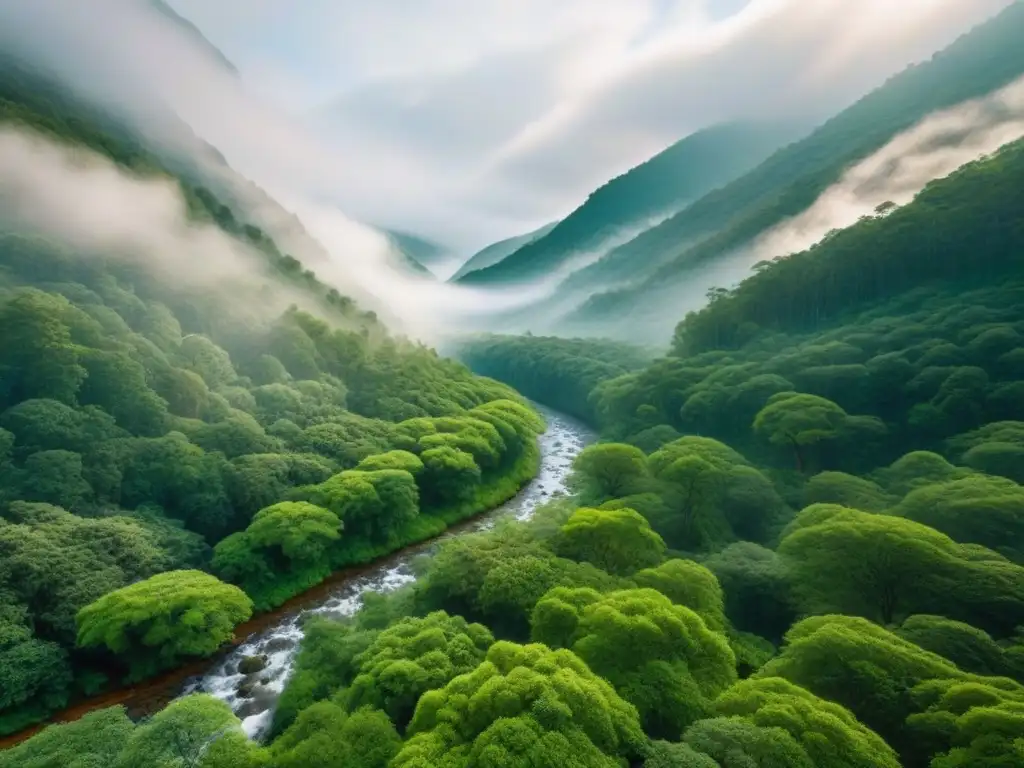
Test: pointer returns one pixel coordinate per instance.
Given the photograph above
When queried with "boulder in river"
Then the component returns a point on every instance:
(250, 665)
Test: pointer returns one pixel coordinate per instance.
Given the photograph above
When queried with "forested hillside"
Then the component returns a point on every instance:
(155, 436)
(792, 179)
(827, 468)
(798, 542)
(495, 252)
(684, 172)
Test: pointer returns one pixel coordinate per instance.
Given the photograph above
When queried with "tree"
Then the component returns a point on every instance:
(799, 420)
(883, 568)
(660, 657)
(302, 532)
(411, 657)
(970, 648)
(372, 505)
(735, 741)
(36, 354)
(846, 490)
(685, 582)
(917, 469)
(449, 475)
(619, 541)
(55, 562)
(325, 736)
(829, 734)
(711, 495)
(524, 706)
(609, 471)
(94, 741)
(402, 460)
(183, 735)
(862, 666)
(970, 724)
(979, 509)
(157, 622)
(326, 663)
(757, 588)
(35, 675)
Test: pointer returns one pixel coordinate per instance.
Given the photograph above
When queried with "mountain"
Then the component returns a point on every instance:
(684, 172)
(496, 252)
(787, 183)
(421, 254)
(170, 375)
(195, 33)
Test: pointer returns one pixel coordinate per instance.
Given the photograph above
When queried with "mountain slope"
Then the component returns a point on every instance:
(496, 252)
(168, 372)
(195, 33)
(426, 253)
(685, 171)
(983, 60)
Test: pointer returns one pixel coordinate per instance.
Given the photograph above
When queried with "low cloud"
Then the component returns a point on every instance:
(933, 149)
(85, 203)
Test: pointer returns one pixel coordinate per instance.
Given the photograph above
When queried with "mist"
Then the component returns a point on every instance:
(933, 149)
(87, 204)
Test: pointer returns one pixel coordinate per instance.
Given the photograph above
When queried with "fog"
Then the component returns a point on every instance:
(133, 63)
(85, 203)
(896, 173)
(934, 148)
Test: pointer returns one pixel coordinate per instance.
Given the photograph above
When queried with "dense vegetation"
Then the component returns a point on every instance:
(799, 543)
(162, 446)
(558, 371)
(982, 61)
(684, 172)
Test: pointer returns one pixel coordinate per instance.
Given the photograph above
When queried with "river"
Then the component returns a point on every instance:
(278, 643)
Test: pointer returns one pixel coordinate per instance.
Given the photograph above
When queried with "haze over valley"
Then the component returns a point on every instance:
(512, 384)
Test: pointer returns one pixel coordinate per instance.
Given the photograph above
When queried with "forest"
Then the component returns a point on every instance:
(169, 465)
(797, 543)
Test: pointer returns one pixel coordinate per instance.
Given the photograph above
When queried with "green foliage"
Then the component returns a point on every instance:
(168, 617)
(94, 741)
(858, 664)
(847, 491)
(884, 568)
(326, 663)
(660, 657)
(828, 734)
(685, 582)
(524, 705)
(414, 656)
(561, 372)
(974, 510)
(301, 532)
(757, 588)
(969, 648)
(610, 470)
(799, 420)
(710, 495)
(325, 736)
(181, 734)
(498, 577)
(619, 541)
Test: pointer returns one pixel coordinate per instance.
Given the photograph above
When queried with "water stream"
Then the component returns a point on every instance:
(253, 696)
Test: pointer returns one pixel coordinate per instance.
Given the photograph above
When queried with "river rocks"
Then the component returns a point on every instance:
(250, 665)
(246, 689)
(275, 644)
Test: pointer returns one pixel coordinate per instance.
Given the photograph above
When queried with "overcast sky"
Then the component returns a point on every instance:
(472, 120)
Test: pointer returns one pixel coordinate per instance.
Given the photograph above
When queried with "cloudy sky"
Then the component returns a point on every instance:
(472, 120)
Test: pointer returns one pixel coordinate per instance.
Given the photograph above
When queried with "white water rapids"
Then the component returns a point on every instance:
(279, 645)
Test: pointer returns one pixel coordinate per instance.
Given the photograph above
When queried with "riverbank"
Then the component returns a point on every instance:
(538, 475)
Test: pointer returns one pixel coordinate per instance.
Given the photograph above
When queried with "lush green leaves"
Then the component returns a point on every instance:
(163, 619)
